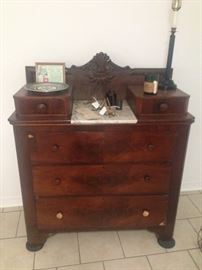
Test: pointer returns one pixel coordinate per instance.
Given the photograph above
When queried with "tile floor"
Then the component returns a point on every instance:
(116, 250)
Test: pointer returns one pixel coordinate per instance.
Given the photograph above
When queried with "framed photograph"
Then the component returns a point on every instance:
(50, 72)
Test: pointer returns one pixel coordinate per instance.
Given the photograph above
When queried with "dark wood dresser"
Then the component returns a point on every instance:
(100, 176)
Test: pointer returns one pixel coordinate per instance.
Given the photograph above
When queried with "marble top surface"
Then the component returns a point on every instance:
(83, 113)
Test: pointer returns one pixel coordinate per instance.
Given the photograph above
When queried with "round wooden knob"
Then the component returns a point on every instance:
(145, 213)
(147, 178)
(59, 215)
(41, 108)
(150, 147)
(163, 107)
(57, 181)
(30, 136)
(55, 147)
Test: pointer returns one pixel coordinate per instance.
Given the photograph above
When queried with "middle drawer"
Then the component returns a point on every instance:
(101, 179)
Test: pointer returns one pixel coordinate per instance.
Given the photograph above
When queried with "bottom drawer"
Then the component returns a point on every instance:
(97, 212)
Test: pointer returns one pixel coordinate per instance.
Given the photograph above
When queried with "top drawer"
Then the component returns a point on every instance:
(165, 102)
(35, 106)
(96, 147)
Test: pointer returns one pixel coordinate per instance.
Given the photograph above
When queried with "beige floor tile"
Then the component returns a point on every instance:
(60, 249)
(139, 242)
(8, 224)
(140, 263)
(196, 223)
(184, 235)
(87, 266)
(172, 261)
(197, 257)
(21, 226)
(1, 210)
(186, 209)
(14, 255)
(99, 246)
(197, 200)
(12, 209)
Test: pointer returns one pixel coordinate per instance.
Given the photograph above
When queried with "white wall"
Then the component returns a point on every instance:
(132, 33)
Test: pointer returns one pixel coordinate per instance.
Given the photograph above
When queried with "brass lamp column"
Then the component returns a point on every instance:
(167, 83)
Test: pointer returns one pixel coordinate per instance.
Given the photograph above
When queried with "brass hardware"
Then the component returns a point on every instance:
(145, 213)
(59, 215)
(30, 136)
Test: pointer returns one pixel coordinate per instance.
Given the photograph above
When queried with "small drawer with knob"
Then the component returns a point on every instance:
(164, 102)
(42, 106)
(113, 212)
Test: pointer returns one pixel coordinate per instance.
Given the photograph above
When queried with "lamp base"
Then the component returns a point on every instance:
(167, 84)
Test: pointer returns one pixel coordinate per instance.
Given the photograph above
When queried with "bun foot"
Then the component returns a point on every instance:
(34, 247)
(167, 243)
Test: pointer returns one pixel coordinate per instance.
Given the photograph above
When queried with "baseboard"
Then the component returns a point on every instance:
(10, 201)
(188, 185)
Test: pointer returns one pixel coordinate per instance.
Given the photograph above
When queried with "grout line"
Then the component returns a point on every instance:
(149, 262)
(5, 211)
(34, 260)
(121, 244)
(103, 265)
(192, 226)
(189, 217)
(16, 233)
(194, 204)
(193, 259)
(7, 238)
(78, 247)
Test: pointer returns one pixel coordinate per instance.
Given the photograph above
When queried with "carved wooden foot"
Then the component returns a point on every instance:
(166, 243)
(34, 247)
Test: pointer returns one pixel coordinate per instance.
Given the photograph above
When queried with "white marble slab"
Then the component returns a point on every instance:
(82, 113)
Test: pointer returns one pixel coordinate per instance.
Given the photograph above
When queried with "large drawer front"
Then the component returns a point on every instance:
(100, 179)
(98, 147)
(69, 147)
(96, 212)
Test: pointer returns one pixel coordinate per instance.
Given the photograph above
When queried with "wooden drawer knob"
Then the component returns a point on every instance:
(150, 147)
(57, 181)
(163, 107)
(41, 108)
(145, 213)
(147, 178)
(55, 147)
(30, 136)
(59, 215)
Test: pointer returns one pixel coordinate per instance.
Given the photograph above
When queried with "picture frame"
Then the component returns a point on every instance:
(50, 72)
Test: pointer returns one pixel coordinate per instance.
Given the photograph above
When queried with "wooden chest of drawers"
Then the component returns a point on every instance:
(100, 176)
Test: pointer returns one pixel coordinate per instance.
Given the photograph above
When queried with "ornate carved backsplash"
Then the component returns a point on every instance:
(99, 75)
